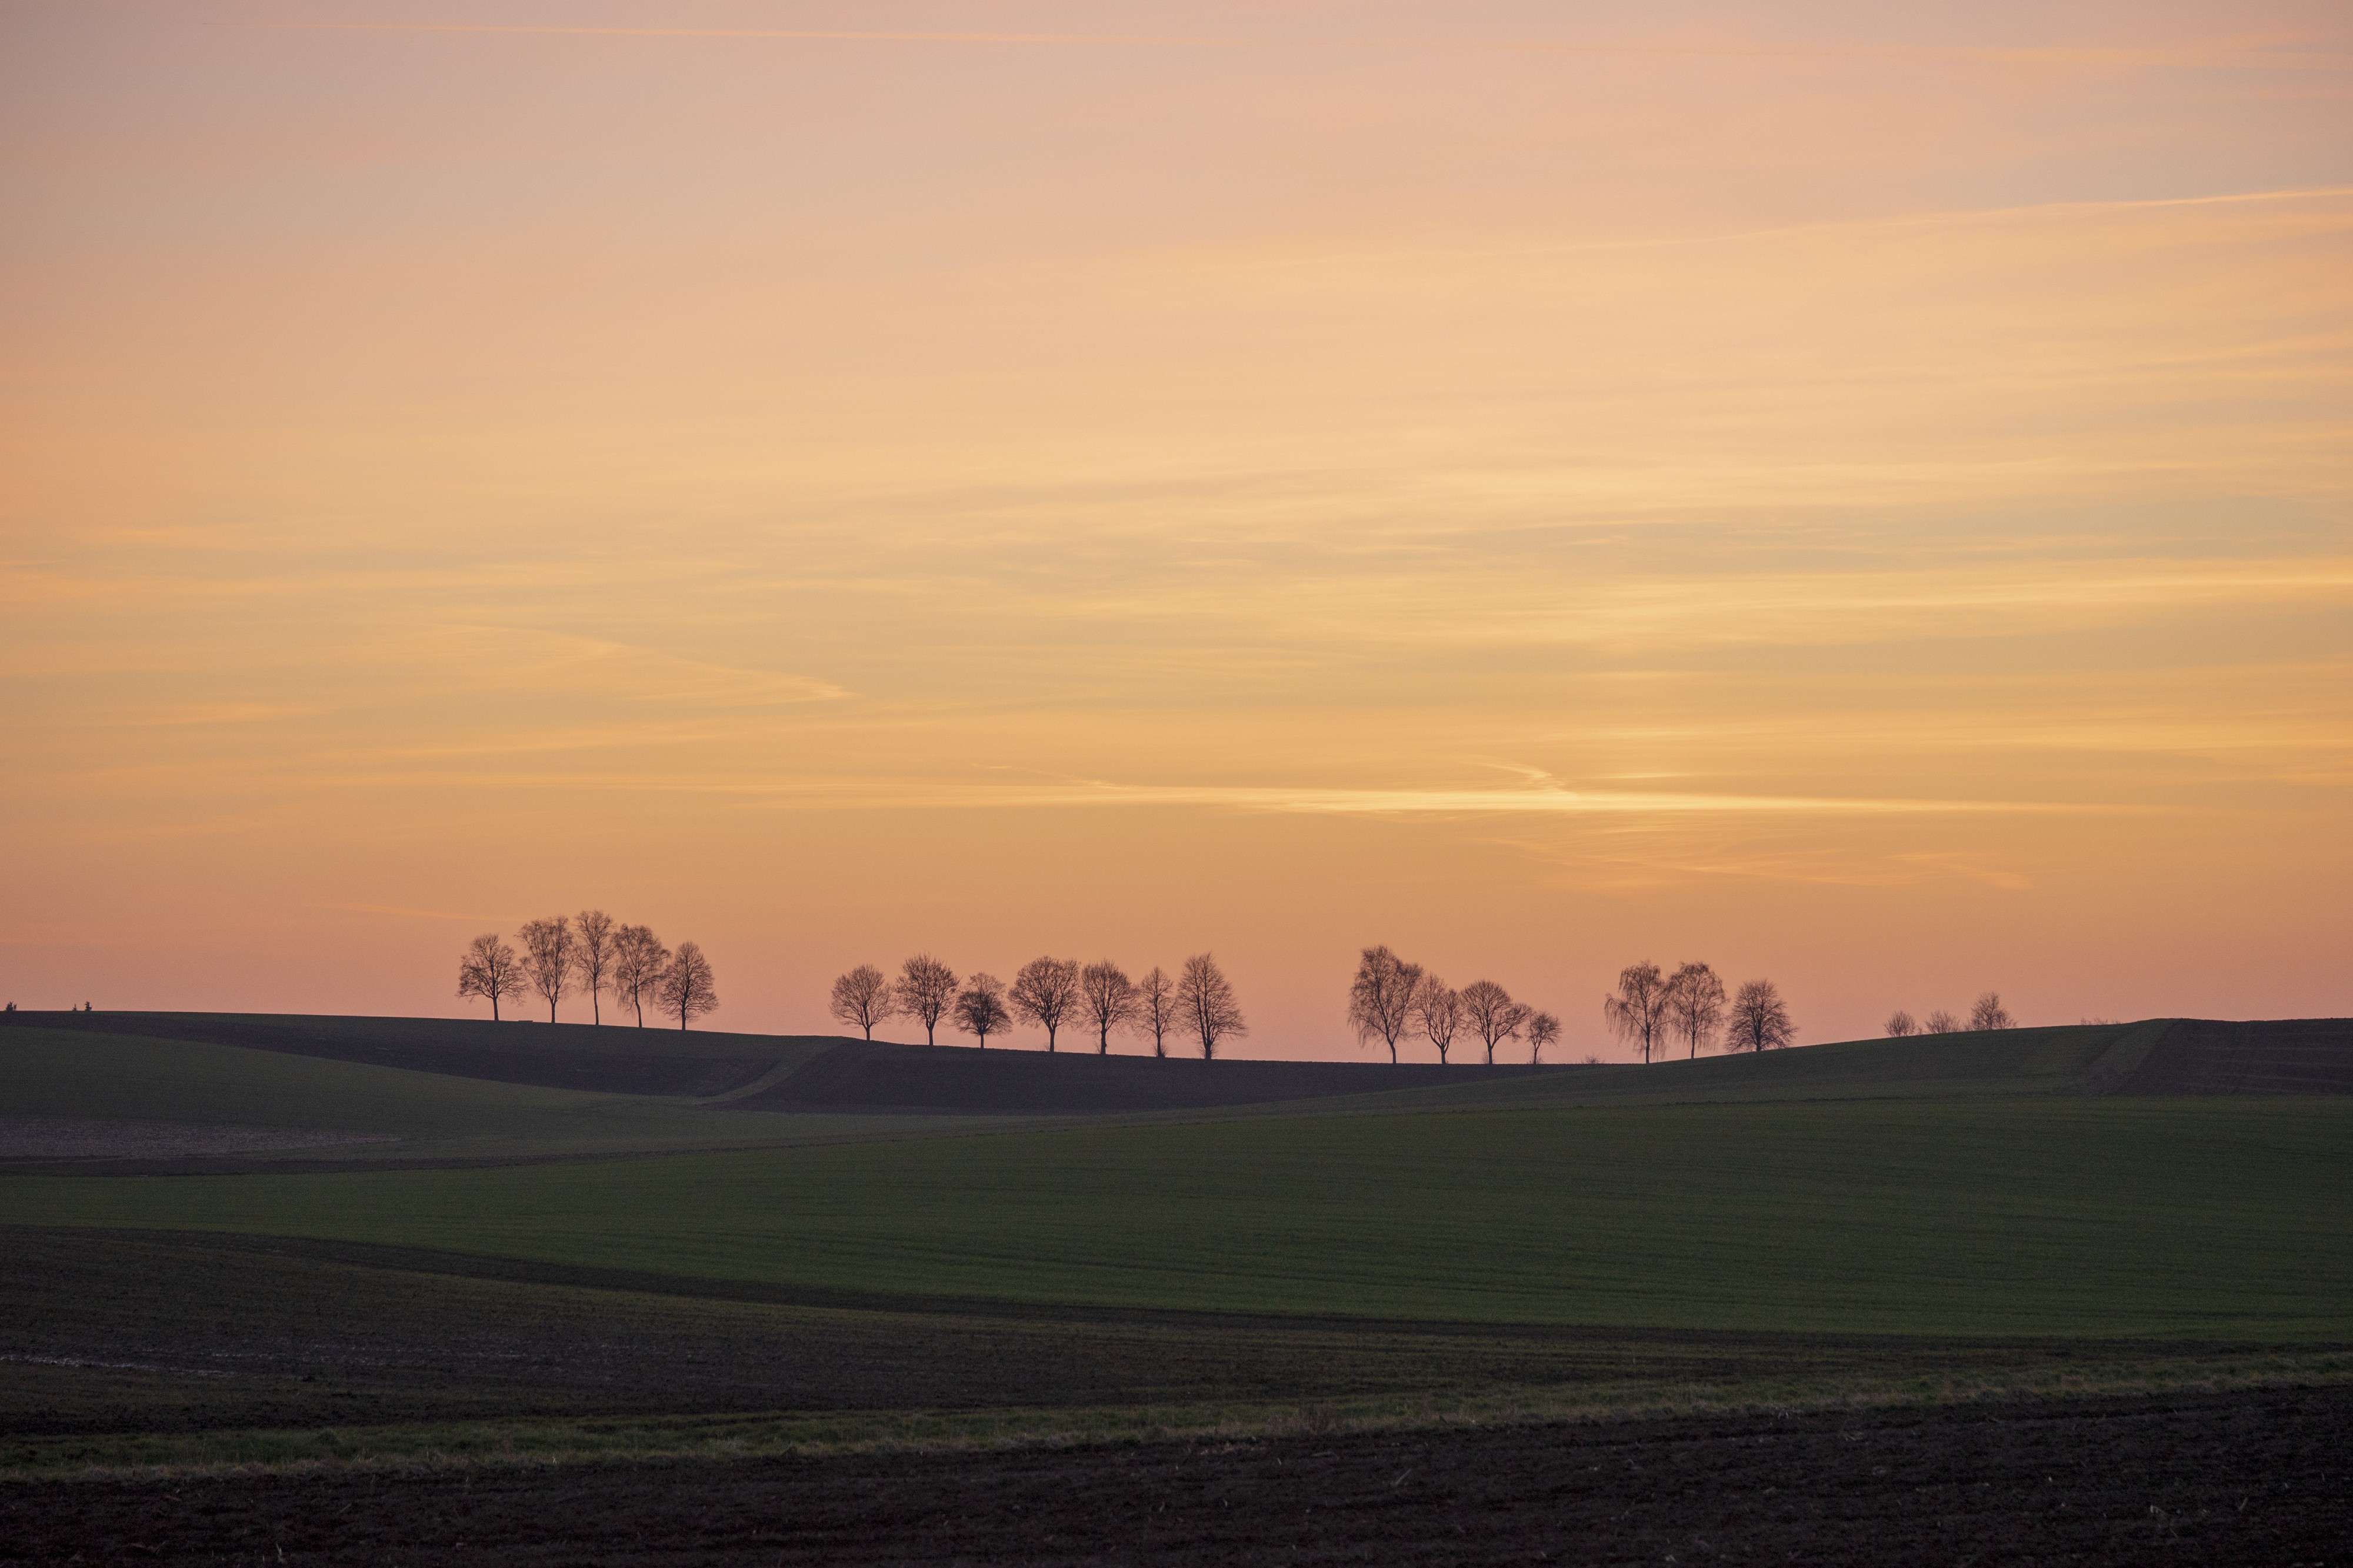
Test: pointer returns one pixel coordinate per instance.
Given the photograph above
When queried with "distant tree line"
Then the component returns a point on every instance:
(1654, 1011)
(1195, 1005)
(595, 956)
(1989, 1013)
(1394, 1001)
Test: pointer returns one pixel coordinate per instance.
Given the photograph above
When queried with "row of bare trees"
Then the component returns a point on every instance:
(1989, 1013)
(1196, 1004)
(1391, 1001)
(1652, 1010)
(595, 956)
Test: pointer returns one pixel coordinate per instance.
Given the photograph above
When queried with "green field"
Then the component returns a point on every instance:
(1868, 1216)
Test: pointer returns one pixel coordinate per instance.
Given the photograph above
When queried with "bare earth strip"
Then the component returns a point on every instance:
(67, 1138)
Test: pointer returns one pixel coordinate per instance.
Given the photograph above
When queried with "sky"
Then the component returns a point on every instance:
(1856, 496)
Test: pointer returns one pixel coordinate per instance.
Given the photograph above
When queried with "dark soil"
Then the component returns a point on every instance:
(2200, 1056)
(2255, 1478)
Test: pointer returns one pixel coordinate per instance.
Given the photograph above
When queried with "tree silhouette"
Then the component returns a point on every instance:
(1760, 1020)
(1638, 1012)
(1380, 999)
(981, 1008)
(1940, 1022)
(1107, 997)
(688, 989)
(1695, 1004)
(927, 988)
(489, 970)
(1989, 1013)
(592, 958)
(1155, 1008)
(1045, 991)
(862, 999)
(1900, 1024)
(548, 947)
(1543, 1029)
(639, 960)
(1437, 1008)
(1205, 1000)
(1495, 1017)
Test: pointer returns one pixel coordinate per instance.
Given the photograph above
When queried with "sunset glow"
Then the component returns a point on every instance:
(1860, 497)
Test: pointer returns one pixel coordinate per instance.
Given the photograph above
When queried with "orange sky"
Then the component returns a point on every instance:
(1857, 499)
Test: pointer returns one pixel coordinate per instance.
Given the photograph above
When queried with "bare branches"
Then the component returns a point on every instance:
(1989, 1013)
(1437, 1008)
(1637, 1011)
(548, 947)
(489, 970)
(1380, 999)
(1046, 992)
(592, 958)
(1940, 1023)
(1900, 1024)
(1759, 1021)
(927, 988)
(1107, 1000)
(1695, 1004)
(861, 999)
(981, 1008)
(1543, 1029)
(1205, 999)
(1155, 1008)
(639, 960)
(688, 989)
(1495, 1017)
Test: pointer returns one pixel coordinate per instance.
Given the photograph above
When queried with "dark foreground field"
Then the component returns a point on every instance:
(2254, 1477)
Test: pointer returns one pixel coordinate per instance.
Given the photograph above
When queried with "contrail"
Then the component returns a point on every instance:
(2227, 54)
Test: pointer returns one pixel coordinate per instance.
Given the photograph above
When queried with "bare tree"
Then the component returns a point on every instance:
(981, 1008)
(1205, 1000)
(1695, 1004)
(1045, 991)
(1543, 1029)
(928, 989)
(688, 989)
(592, 958)
(489, 970)
(1940, 1022)
(1760, 1020)
(1900, 1024)
(1437, 1008)
(1155, 1008)
(639, 960)
(1109, 1000)
(1989, 1013)
(1493, 1017)
(1638, 1012)
(862, 999)
(547, 953)
(1380, 999)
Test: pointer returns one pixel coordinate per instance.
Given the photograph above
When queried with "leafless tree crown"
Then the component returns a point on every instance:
(1495, 1017)
(1543, 1029)
(928, 989)
(592, 958)
(489, 970)
(1381, 998)
(1989, 1013)
(548, 951)
(1155, 1008)
(1637, 1011)
(1437, 1008)
(862, 999)
(1696, 1005)
(1045, 993)
(1940, 1022)
(689, 988)
(1900, 1024)
(1108, 1000)
(1759, 1019)
(639, 960)
(981, 1008)
(1205, 1000)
